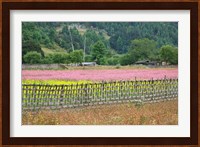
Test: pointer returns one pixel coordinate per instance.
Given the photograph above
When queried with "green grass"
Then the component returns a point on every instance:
(55, 49)
(47, 51)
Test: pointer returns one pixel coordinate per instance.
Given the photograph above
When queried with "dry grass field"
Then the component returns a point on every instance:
(163, 113)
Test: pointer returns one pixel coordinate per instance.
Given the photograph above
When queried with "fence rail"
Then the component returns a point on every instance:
(57, 96)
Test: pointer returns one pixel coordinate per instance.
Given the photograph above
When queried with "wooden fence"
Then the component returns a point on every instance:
(57, 96)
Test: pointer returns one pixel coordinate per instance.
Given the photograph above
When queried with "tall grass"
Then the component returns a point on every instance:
(164, 113)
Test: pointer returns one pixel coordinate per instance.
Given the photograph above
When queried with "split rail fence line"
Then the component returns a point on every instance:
(61, 96)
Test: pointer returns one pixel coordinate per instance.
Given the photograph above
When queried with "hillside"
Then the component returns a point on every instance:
(117, 37)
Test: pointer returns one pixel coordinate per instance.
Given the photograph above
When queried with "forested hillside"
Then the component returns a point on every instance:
(108, 43)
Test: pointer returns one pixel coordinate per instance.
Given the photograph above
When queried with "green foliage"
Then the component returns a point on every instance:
(72, 57)
(103, 61)
(99, 52)
(76, 56)
(133, 40)
(58, 58)
(91, 38)
(169, 54)
(32, 57)
(115, 60)
(175, 57)
(30, 45)
(126, 60)
(39, 33)
(142, 49)
(120, 33)
(65, 41)
(88, 58)
(46, 60)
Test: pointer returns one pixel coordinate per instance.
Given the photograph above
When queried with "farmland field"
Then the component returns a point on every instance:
(163, 113)
(104, 73)
(99, 75)
(130, 113)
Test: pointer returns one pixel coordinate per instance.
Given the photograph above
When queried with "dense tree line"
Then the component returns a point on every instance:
(107, 43)
(123, 32)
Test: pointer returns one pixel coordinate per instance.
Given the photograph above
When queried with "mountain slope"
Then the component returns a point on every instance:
(115, 35)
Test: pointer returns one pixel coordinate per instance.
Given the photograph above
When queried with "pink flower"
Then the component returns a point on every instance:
(99, 75)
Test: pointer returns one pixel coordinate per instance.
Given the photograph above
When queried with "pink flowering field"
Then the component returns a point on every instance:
(99, 75)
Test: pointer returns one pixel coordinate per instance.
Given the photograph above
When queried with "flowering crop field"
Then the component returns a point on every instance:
(54, 82)
(42, 88)
(99, 75)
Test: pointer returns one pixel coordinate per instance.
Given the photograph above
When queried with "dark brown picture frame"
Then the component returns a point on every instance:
(7, 140)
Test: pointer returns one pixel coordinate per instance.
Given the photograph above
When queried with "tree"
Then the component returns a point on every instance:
(58, 58)
(76, 56)
(88, 58)
(126, 59)
(47, 59)
(70, 38)
(32, 57)
(113, 61)
(169, 54)
(116, 36)
(142, 49)
(91, 38)
(30, 45)
(99, 52)
(120, 44)
(52, 34)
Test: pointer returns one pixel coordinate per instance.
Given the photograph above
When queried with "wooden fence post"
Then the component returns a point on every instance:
(36, 96)
(61, 95)
(85, 98)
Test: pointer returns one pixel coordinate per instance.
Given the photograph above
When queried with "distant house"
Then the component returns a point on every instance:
(88, 64)
(146, 62)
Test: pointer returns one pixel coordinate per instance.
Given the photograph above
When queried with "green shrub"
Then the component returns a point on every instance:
(125, 60)
(76, 56)
(30, 46)
(57, 58)
(32, 57)
(113, 61)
